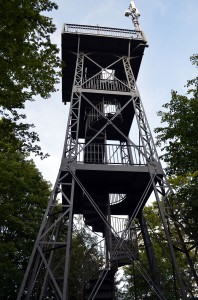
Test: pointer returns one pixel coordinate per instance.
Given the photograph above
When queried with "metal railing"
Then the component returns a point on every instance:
(116, 198)
(107, 31)
(97, 257)
(119, 225)
(106, 107)
(111, 154)
(128, 238)
(105, 84)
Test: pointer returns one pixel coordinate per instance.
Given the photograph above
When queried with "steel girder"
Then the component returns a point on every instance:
(70, 147)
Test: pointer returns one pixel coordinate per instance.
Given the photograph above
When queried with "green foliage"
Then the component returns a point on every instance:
(29, 62)
(134, 279)
(178, 139)
(23, 199)
(28, 59)
(180, 136)
(29, 67)
(17, 136)
(179, 142)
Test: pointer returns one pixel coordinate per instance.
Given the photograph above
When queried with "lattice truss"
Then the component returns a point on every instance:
(48, 270)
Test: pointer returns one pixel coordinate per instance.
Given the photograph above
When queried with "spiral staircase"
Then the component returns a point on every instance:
(119, 248)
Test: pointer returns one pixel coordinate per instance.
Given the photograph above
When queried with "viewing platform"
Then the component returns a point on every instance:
(103, 31)
(102, 45)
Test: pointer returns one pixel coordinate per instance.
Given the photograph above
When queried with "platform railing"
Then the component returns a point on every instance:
(110, 154)
(107, 31)
(105, 84)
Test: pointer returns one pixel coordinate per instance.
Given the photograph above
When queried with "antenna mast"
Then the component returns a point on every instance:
(134, 13)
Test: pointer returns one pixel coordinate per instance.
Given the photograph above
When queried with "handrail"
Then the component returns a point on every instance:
(119, 225)
(95, 257)
(99, 30)
(110, 154)
(116, 198)
(105, 84)
(106, 107)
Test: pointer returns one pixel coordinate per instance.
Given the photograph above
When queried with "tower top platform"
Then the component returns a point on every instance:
(103, 31)
(103, 44)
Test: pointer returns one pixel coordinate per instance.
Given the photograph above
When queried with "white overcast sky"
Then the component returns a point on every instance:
(171, 28)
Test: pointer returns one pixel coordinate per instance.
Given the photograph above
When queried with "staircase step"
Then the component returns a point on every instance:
(91, 209)
(121, 261)
(105, 285)
(96, 227)
(106, 290)
(122, 253)
(92, 218)
(103, 295)
(99, 199)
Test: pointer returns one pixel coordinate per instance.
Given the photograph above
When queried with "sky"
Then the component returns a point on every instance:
(170, 27)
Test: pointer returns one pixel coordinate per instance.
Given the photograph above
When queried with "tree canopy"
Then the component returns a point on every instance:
(23, 199)
(179, 136)
(29, 62)
(29, 67)
(178, 139)
(28, 59)
(136, 287)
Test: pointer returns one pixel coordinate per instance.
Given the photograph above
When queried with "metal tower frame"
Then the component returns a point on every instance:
(104, 105)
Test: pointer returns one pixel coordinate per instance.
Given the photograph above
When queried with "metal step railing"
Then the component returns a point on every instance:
(108, 108)
(97, 259)
(123, 244)
(116, 198)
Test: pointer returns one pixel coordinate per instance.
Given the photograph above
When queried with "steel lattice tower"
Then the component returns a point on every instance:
(104, 174)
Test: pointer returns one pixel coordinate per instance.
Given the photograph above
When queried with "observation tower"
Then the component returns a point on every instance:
(106, 174)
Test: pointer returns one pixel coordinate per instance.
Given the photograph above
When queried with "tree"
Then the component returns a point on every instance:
(179, 142)
(178, 139)
(29, 67)
(136, 286)
(23, 199)
(28, 59)
(17, 136)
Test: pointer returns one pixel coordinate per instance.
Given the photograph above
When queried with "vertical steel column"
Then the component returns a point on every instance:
(71, 144)
(46, 245)
(144, 129)
(67, 253)
(155, 275)
(56, 213)
(162, 189)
